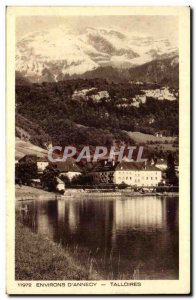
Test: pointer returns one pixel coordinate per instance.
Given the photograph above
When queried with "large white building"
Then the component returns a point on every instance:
(131, 173)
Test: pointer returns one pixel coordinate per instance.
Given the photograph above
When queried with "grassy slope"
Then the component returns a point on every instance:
(28, 190)
(140, 137)
(38, 258)
(23, 148)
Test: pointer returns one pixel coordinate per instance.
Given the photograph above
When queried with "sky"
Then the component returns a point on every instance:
(157, 26)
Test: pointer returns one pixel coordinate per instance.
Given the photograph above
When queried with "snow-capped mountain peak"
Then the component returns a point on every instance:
(62, 51)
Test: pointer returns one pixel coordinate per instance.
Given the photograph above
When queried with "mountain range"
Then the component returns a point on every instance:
(61, 54)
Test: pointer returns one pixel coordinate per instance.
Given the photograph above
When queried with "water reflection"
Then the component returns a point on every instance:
(142, 231)
(142, 214)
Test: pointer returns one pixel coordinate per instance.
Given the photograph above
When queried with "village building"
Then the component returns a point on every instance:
(36, 183)
(41, 162)
(90, 94)
(158, 134)
(161, 164)
(130, 173)
(82, 94)
(141, 98)
(163, 93)
(60, 185)
(135, 101)
(135, 104)
(68, 168)
(177, 170)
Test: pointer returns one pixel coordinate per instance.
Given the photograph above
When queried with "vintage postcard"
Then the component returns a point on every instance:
(98, 150)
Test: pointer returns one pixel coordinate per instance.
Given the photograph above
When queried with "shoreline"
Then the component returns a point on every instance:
(29, 193)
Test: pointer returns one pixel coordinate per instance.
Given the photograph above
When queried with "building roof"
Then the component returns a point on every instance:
(29, 158)
(68, 166)
(42, 159)
(151, 168)
(102, 166)
(124, 165)
(161, 161)
(59, 181)
(33, 158)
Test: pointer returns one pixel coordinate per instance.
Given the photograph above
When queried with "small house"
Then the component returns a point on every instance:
(68, 168)
(41, 162)
(60, 185)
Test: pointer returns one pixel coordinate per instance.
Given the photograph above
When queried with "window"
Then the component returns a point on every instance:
(147, 178)
(151, 178)
(130, 178)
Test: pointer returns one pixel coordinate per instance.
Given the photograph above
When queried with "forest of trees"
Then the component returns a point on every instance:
(59, 118)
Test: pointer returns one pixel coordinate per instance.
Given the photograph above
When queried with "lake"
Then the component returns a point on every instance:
(130, 238)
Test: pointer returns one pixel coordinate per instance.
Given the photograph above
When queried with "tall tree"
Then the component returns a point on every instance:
(49, 178)
(170, 172)
(25, 171)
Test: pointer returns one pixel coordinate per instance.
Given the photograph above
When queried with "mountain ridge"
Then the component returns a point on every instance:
(56, 54)
(163, 72)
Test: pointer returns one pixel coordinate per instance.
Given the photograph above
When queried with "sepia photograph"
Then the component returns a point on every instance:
(96, 114)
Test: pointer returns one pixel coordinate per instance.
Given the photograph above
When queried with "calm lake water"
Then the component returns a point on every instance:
(137, 237)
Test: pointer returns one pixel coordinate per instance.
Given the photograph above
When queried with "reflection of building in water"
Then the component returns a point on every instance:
(44, 225)
(86, 222)
(73, 217)
(144, 214)
(68, 213)
(61, 210)
(46, 219)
